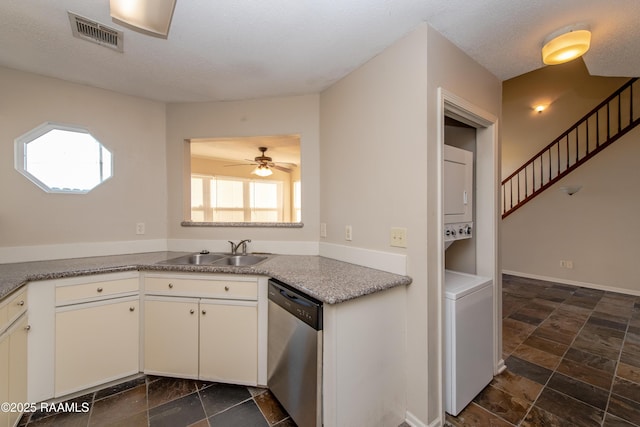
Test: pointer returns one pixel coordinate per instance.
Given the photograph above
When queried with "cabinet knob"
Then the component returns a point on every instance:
(99, 289)
(170, 285)
(204, 312)
(226, 288)
(21, 303)
(27, 328)
(132, 308)
(192, 311)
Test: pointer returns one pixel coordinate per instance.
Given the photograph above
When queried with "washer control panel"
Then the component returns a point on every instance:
(458, 231)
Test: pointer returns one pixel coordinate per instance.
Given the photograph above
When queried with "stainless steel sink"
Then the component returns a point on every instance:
(195, 259)
(216, 259)
(241, 260)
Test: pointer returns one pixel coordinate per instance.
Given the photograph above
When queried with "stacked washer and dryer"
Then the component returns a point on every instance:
(468, 304)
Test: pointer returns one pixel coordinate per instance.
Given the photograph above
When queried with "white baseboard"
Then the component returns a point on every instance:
(78, 250)
(414, 421)
(574, 283)
(385, 261)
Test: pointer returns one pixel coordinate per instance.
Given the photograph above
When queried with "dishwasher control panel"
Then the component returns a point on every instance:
(302, 306)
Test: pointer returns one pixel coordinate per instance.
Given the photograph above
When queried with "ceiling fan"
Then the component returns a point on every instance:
(264, 164)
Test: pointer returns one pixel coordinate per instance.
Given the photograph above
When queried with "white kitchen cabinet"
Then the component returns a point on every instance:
(229, 341)
(17, 366)
(96, 343)
(364, 372)
(171, 337)
(97, 325)
(4, 373)
(205, 327)
(13, 355)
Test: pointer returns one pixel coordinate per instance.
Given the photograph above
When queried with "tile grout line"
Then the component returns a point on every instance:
(544, 386)
(565, 353)
(615, 372)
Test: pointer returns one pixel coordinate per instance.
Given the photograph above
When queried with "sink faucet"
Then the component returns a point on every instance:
(235, 246)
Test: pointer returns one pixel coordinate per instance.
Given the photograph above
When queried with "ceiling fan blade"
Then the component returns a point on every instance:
(281, 168)
(242, 164)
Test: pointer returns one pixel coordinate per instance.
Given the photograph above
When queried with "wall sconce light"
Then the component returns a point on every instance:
(570, 189)
(566, 44)
(150, 16)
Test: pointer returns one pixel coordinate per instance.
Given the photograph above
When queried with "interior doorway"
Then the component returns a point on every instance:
(481, 255)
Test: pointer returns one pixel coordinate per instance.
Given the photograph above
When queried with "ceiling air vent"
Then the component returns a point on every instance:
(86, 29)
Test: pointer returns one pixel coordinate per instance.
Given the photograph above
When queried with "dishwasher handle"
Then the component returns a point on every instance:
(295, 298)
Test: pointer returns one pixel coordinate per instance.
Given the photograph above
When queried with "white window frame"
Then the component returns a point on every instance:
(207, 208)
(20, 160)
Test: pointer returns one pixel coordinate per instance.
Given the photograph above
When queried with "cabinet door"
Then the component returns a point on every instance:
(171, 338)
(17, 366)
(4, 373)
(96, 343)
(229, 341)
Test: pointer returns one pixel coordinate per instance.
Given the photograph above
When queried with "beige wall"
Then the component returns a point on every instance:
(593, 228)
(450, 69)
(570, 93)
(379, 170)
(273, 116)
(133, 129)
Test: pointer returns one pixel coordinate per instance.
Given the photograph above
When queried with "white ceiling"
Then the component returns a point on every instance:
(239, 49)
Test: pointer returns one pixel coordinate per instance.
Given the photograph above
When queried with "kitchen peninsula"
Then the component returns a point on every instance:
(363, 338)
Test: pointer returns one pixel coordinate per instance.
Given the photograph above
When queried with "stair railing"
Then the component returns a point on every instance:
(603, 125)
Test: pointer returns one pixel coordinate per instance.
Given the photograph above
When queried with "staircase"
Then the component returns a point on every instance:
(614, 117)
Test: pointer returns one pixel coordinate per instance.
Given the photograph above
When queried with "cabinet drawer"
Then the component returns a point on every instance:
(209, 288)
(67, 294)
(12, 307)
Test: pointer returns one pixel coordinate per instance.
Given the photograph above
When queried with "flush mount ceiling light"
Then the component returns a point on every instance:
(566, 44)
(539, 108)
(151, 16)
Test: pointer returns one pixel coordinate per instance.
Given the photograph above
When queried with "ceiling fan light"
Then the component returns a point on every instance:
(566, 45)
(153, 17)
(262, 170)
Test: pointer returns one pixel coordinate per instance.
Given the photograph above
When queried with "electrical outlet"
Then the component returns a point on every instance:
(323, 229)
(398, 237)
(348, 233)
(140, 228)
(566, 264)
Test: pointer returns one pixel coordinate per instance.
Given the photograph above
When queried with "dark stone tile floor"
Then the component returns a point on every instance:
(572, 357)
(172, 402)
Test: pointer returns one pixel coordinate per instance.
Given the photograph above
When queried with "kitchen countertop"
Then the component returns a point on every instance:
(325, 279)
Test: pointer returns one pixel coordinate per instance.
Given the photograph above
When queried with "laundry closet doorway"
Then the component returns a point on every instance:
(475, 130)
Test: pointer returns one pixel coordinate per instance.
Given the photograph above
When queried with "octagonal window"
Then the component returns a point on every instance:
(63, 159)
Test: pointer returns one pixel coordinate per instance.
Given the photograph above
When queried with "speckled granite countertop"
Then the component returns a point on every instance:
(326, 279)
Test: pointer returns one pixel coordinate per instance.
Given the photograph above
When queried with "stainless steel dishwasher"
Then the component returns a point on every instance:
(294, 359)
